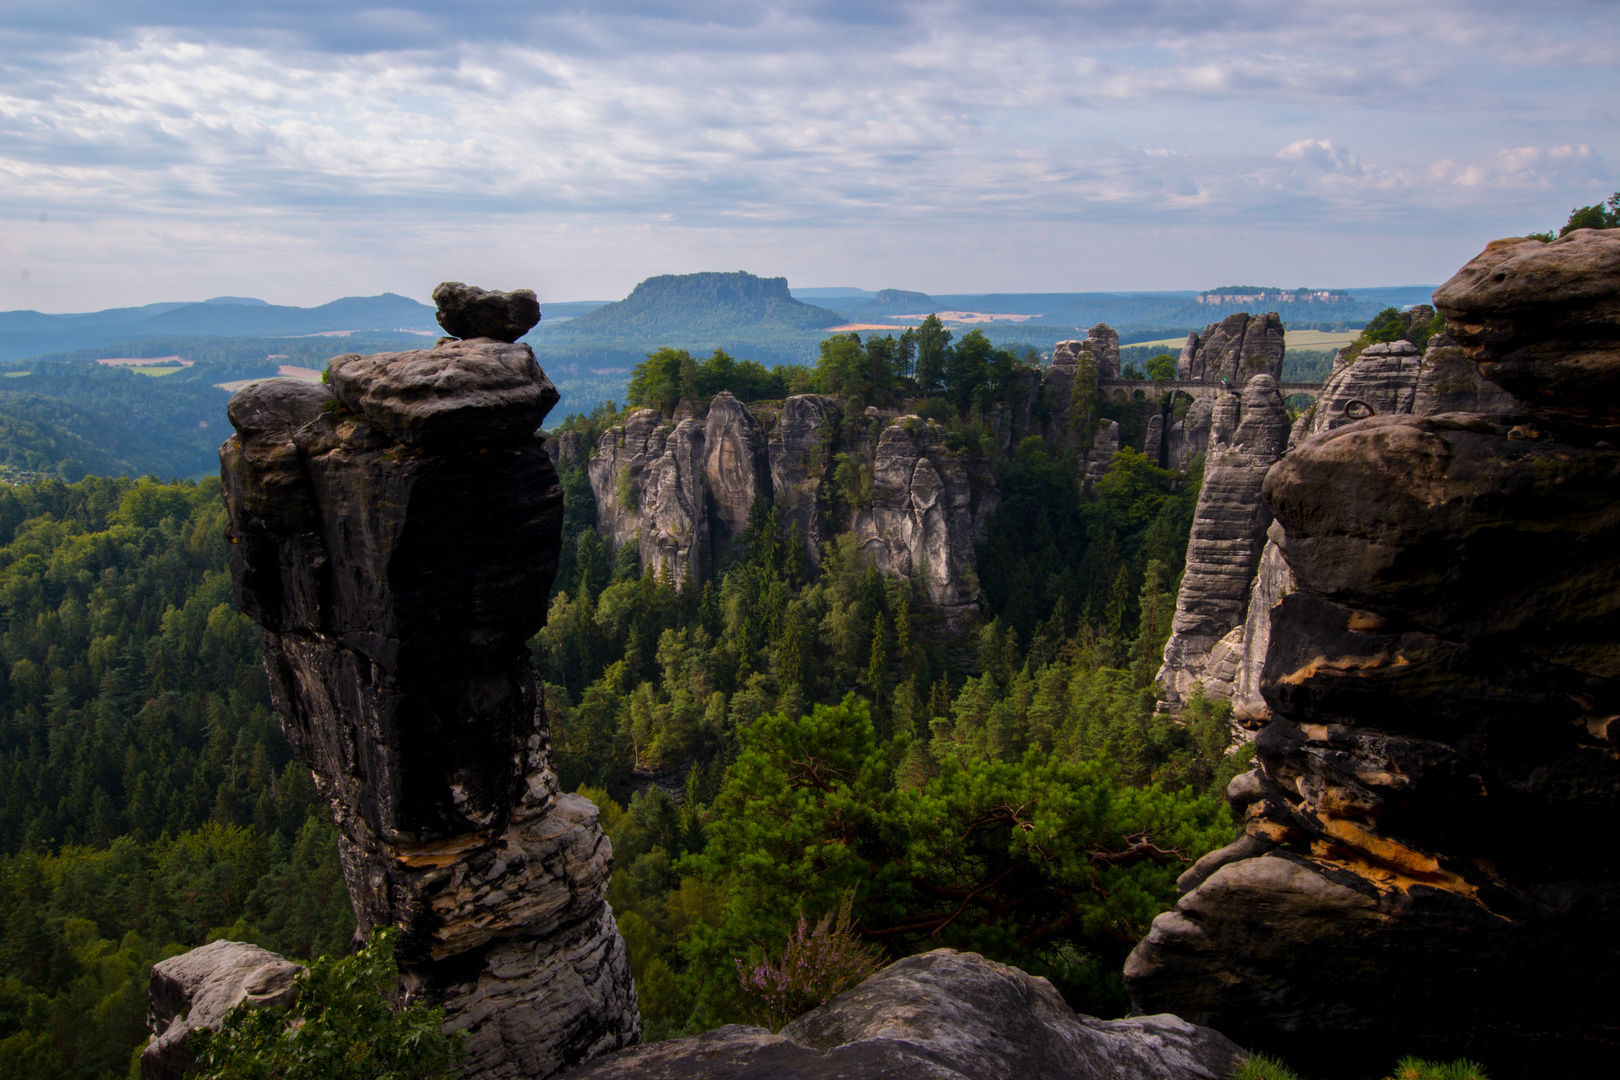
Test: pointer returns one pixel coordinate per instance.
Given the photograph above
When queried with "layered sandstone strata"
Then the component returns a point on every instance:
(1247, 433)
(396, 536)
(1430, 862)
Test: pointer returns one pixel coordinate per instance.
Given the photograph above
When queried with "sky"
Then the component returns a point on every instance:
(303, 150)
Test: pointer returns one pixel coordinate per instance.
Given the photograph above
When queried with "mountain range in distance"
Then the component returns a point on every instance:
(732, 310)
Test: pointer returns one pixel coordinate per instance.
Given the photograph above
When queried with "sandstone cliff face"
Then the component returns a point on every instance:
(1383, 380)
(648, 478)
(1104, 342)
(1247, 434)
(396, 537)
(736, 468)
(943, 1015)
(1233, 350)
(921, 522)
(1429, 863)
(800, 451)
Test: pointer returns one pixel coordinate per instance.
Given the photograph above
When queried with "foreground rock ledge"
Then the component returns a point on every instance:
(943, 1015)
(397, 541)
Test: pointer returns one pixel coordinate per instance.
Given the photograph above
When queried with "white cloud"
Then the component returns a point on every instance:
(338, 135)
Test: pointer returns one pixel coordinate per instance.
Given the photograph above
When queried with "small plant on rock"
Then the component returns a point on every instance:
(343, 1026)
(818, 964)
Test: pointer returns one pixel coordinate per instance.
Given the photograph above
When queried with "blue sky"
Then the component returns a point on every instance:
(301, 151)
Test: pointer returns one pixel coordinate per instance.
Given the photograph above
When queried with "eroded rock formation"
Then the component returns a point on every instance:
(736, 467)
(1247, 434)
(1430, 862)
(1104, 343)
(921, 522)
(195, 990)
(648, 478)
(801, 445)
(466, 311)
(943, 1015)
(396, 536)
(1235, 349)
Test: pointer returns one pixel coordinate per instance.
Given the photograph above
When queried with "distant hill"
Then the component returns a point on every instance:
(30, 333)
(682, 308)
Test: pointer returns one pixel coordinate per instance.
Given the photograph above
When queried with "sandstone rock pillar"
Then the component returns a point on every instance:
(396, 535)
(1248, 432)
(1430, 863)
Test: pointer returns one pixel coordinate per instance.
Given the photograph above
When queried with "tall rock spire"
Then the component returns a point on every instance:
(396, 536)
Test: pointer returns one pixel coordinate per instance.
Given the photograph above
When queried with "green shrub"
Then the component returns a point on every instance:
(1411, 1068)
(342, 1027)
(1261, 1067)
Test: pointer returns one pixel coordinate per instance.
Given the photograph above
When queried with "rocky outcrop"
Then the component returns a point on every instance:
(1450, 382)
(195, 990)
(1234, 350)
(569, 450)
(943, 1015)
(396, 537)
(648, 478)
(1189, 436)
(1429, 864)
(1540, 321)
(920, 523)
(800, 451)
(1247, 435)
(1103, 448)
(1383, 380)
(1057, 390)
(1104, 342)
(736, 468)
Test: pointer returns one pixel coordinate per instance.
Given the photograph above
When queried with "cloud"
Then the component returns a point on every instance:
(334, 127)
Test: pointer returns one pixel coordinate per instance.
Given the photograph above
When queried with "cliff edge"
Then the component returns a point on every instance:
(1430, 861)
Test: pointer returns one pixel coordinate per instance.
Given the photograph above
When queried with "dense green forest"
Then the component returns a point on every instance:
(147, 801)
(66, 416)
(729, 731)
(1014, 792)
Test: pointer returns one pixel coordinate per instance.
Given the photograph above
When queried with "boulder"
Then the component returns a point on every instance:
(944, 1015)
(398, 548)
(195, 990)
(461, 391)
(466, 311)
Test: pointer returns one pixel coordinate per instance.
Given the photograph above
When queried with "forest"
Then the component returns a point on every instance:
(1014, 793)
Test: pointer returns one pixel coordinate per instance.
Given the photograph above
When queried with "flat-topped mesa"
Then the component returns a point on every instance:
(1430, 864)
(396, 536)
